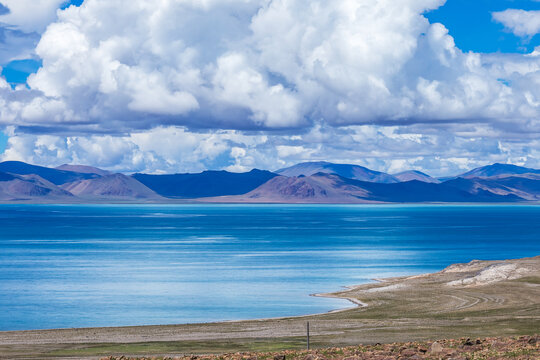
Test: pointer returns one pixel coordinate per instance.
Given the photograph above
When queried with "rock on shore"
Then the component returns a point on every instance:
(523, 347)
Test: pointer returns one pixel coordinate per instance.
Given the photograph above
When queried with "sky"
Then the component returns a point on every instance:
(187, 85)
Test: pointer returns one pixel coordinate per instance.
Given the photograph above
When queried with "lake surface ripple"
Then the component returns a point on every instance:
(64, 266)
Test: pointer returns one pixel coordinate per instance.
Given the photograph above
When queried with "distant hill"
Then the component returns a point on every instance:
(523, 186)
(415, 175)
(83, 169)
(55, 176)
(523, 176)
(205, 184)
(318, 188)
(29, 187)
(115, 186)
(518, 185)
(419, 191)
(335, 183)
(355, 172)
(498, 170)
(331, 188)
(6, 177)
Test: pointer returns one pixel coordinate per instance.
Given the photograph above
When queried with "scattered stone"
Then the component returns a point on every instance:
(436, 348)
(408, 352)
(461, 349)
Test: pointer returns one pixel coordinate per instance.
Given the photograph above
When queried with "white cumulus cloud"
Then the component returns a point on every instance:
(521, 22)
(253, 64)
(183, 85)
(21, 23)
(30, 15)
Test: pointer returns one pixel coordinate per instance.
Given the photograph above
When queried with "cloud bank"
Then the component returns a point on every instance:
(116, 72)
(522, 23)
(173, 149)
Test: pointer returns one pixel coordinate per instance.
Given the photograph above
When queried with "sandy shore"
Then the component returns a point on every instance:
(478, 299)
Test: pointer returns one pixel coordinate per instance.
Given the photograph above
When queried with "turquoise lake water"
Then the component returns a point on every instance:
(64, 266)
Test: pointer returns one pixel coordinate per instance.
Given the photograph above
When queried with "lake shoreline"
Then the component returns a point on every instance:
(65, 271)
(472, 276)
(109, 265)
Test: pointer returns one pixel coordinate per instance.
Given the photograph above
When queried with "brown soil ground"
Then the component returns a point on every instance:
(523, 347)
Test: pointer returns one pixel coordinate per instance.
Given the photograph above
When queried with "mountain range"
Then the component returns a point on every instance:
(310, 182)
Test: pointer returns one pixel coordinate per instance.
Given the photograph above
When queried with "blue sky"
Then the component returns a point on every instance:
(243, 84)
(17, 71)
(3, 141)
(471, 24)
(72, 2)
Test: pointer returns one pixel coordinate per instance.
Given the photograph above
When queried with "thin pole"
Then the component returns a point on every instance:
(308, 335)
